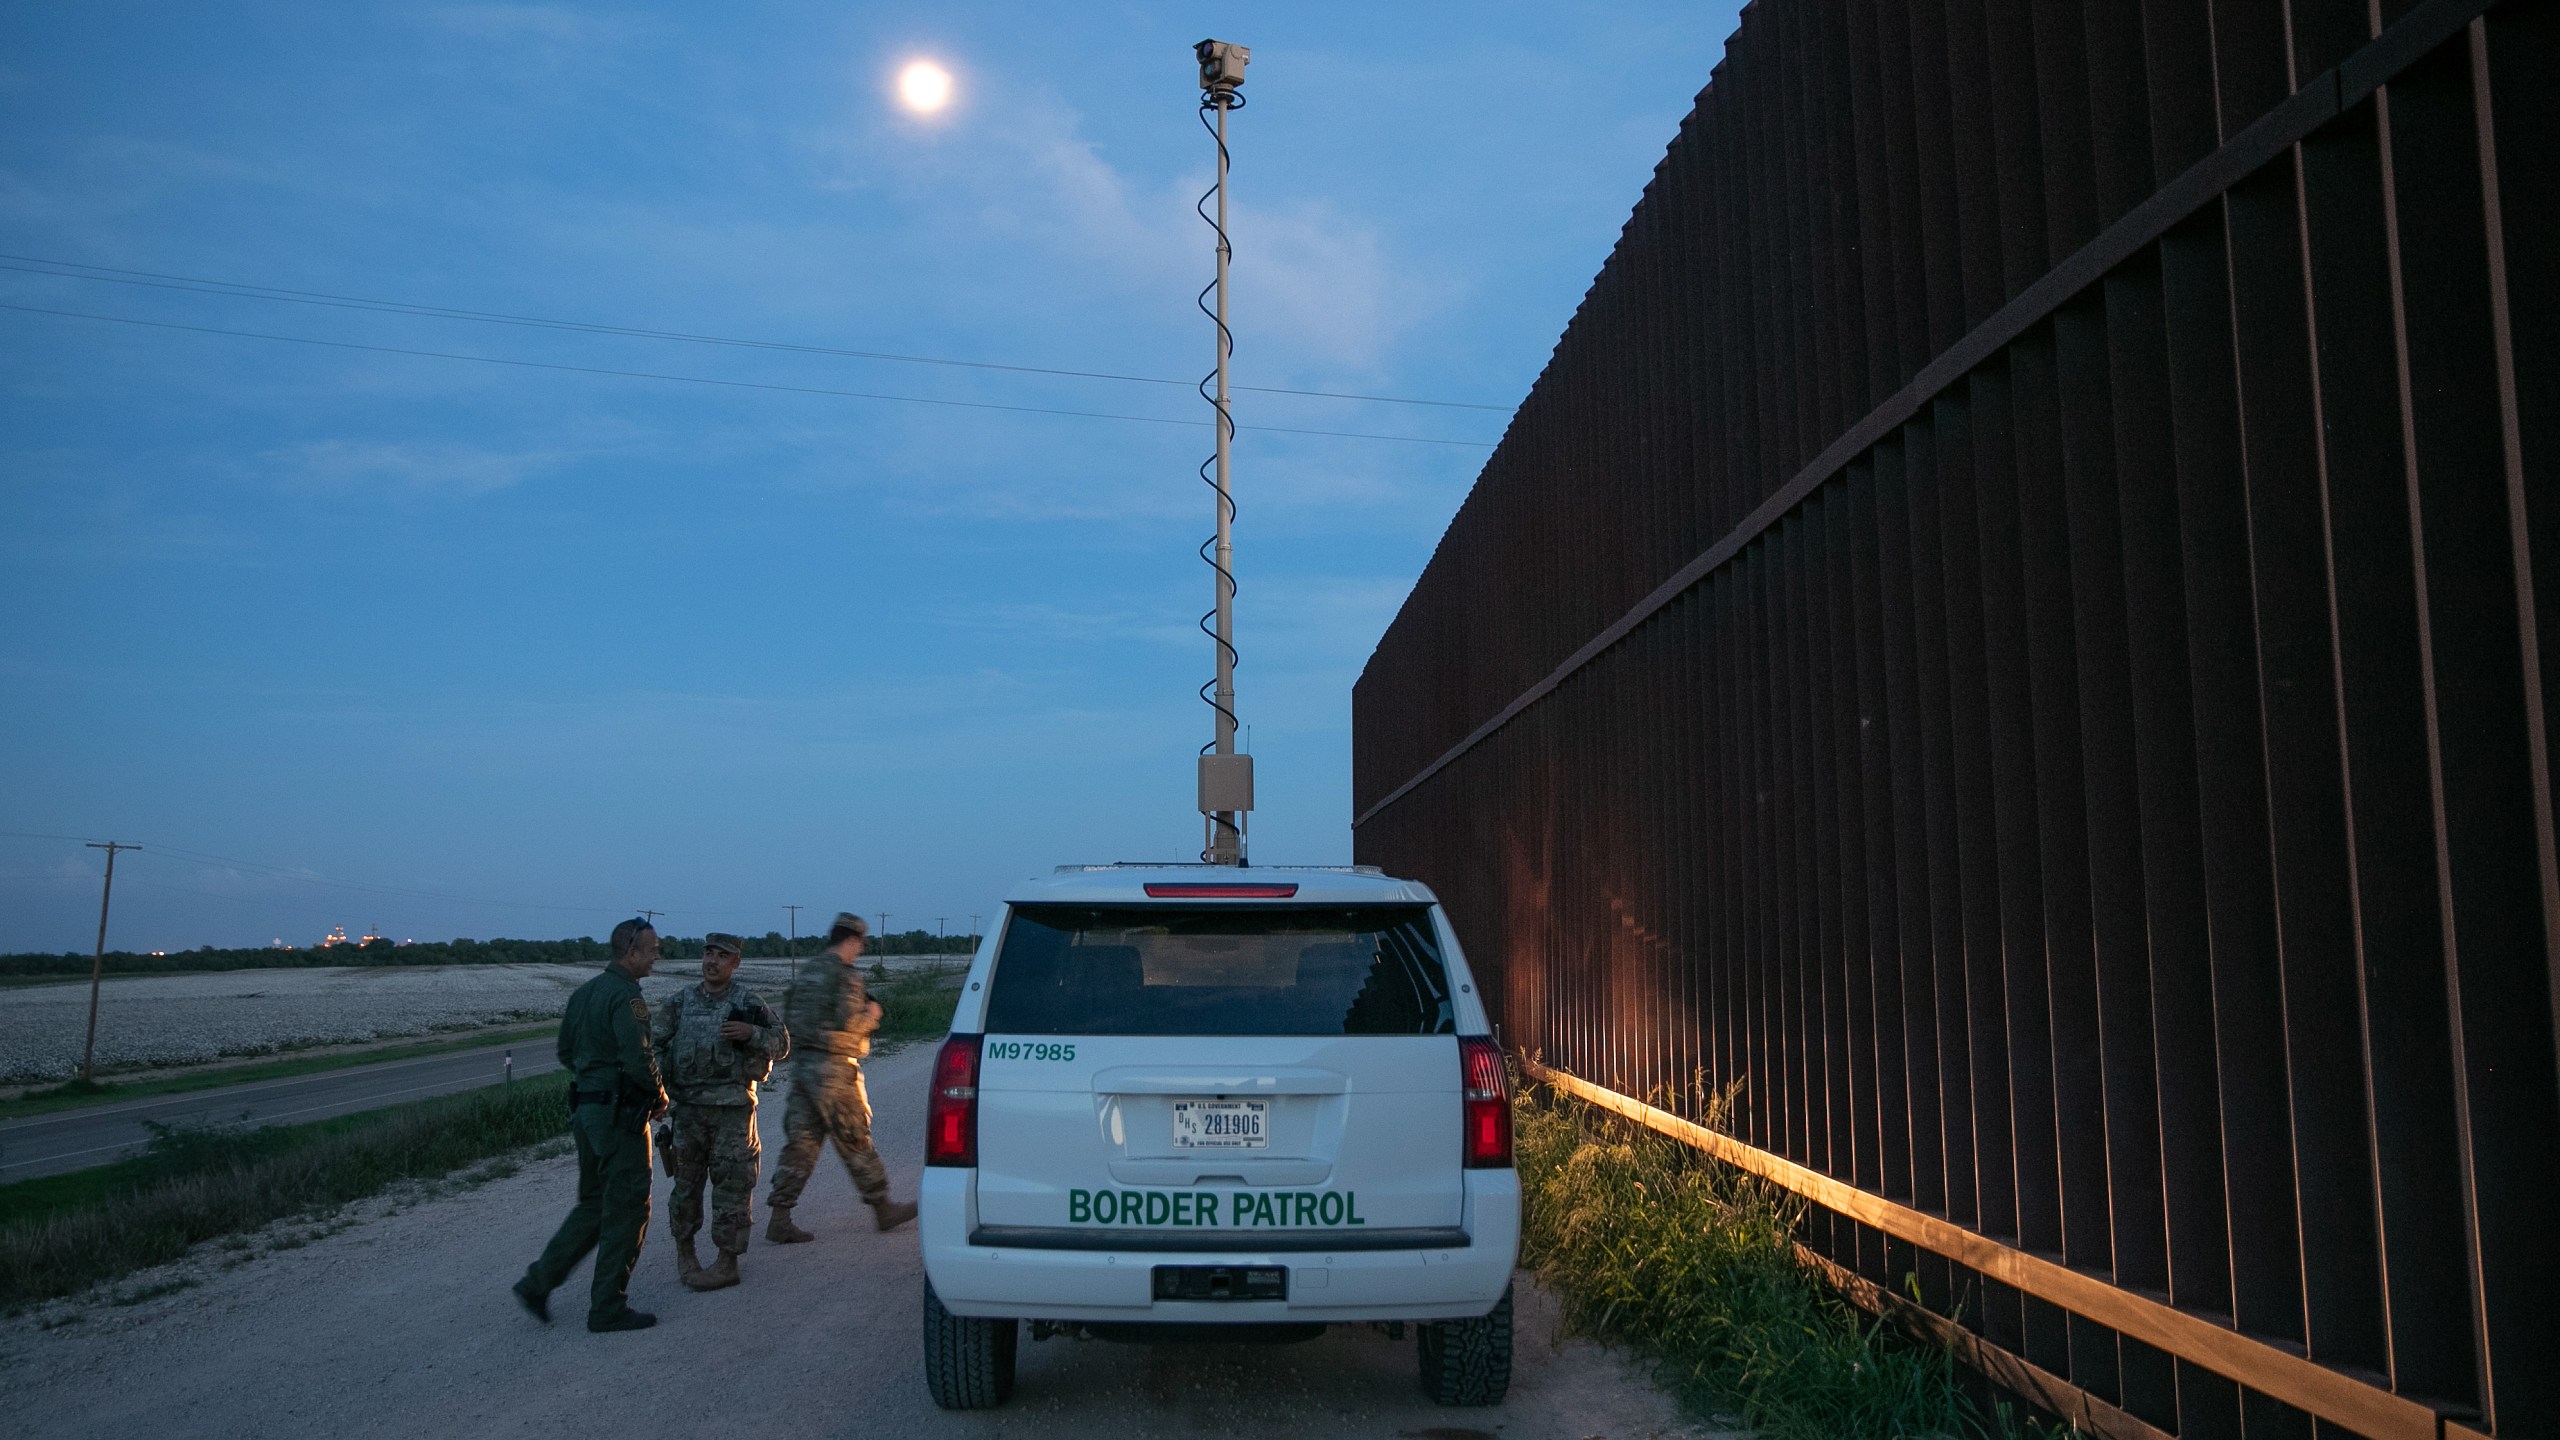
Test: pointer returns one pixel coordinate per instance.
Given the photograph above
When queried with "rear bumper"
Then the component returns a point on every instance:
(1045, 1280)
(1192, 1242)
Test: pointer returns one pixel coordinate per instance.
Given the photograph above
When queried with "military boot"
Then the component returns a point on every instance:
(688, 1261)
(892, 1213)
(536, 1301)
(780, 1231)
(720, 1274)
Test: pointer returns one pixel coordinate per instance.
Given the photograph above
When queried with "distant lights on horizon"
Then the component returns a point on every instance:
(924, 87)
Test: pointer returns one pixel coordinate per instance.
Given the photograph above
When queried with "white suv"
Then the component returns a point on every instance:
(1180, 1095)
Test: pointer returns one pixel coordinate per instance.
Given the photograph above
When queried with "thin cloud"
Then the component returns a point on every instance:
(559, 24)
(1036, 620)
(418, 468)
(1315, 285)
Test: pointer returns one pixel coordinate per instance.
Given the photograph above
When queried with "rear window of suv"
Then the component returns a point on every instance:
(1219, 970)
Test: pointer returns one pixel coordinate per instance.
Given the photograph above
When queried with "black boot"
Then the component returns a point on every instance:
(537, 1303)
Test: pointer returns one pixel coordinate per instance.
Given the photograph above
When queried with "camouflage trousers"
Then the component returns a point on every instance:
(827, 1103)
(717, 1143)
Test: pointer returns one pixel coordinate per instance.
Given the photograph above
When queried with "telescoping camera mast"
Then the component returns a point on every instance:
(1226, 778)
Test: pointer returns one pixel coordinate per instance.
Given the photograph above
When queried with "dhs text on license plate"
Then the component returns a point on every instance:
(1222, 1124)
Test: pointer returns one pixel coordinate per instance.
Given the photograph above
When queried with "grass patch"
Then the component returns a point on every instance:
(1693, 1262)
(918, 1004)
(72, 1094)
(150, 1292)
(63, 1233)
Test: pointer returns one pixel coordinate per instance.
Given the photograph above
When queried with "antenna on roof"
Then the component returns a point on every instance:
(1226, 778)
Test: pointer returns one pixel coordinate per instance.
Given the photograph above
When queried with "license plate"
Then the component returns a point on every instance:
(1222, 1124)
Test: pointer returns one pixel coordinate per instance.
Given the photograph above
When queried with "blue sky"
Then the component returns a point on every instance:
(458, 648)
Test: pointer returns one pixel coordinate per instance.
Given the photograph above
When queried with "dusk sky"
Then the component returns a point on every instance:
(445, 647)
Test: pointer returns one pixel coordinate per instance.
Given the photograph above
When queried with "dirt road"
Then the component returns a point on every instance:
(401, 1325)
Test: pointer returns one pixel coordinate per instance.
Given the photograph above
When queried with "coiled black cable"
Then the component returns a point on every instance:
(1209, 103)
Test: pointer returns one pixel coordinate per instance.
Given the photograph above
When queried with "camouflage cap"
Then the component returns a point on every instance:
(720, 940)
(847, 920)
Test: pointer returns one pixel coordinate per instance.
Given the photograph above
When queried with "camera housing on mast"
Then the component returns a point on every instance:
(1221, 69)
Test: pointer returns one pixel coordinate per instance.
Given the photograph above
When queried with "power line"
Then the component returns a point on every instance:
(242, 290)
(729, 384)
(304, 877)
(273, 903)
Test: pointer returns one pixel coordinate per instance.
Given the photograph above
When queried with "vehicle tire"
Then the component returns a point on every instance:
(1467, 1362)
(968, 1364)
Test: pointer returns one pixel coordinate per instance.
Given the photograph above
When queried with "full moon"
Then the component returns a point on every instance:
(925, 87)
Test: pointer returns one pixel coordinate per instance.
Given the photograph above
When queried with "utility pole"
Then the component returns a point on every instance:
(1226, 778)
(974, 936)
(940, 924)
(884, 932)
(98, 964)
(652, 917)
(791, 971)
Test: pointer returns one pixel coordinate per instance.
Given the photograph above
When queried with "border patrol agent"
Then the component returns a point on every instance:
(614, 1092)
(831, 1017)
(719, 1039)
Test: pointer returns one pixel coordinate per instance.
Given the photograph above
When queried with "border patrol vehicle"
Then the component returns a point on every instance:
(1261, 1099)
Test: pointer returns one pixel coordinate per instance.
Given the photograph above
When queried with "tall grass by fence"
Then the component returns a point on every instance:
(1695, 1264)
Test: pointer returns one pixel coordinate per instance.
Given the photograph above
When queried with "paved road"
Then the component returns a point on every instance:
(401, 1326)
(96, 1134)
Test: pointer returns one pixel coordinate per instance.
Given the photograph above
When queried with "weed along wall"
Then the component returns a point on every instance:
(2019, 627)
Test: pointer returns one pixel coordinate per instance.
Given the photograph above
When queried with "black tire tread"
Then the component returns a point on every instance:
(1467, 1362)
(968, 1364)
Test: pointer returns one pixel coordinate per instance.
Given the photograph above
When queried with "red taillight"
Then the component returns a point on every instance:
(1488, 1103)
(951, 1111)
(1227, 891)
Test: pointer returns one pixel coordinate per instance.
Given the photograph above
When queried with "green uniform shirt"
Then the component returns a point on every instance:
(604, 1042)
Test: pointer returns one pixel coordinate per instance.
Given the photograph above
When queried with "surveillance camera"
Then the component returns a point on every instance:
(1221, 65)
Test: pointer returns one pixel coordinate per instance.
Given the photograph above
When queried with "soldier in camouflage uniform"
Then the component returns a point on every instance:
(719, 1038)
(831, 1017)
(614, 1092)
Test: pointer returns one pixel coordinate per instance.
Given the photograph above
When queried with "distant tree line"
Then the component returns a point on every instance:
(584, 950)
(773, 943)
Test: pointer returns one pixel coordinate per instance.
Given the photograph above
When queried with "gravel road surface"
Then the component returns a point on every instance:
(97, 1134)
(401, 1325)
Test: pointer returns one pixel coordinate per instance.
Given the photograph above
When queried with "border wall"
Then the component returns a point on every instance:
(2019, 624)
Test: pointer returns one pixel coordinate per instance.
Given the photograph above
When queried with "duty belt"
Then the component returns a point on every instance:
(591, 1097)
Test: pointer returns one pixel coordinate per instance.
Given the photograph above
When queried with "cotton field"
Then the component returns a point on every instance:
(183, 1019)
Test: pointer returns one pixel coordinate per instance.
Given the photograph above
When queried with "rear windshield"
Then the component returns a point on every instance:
(1222, 970)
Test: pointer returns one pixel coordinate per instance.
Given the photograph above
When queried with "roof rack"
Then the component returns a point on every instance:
(1205, 865)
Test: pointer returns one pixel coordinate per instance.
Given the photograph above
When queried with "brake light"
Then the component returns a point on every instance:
(1201, 891)
(951, 1110)
(1488, 1103)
